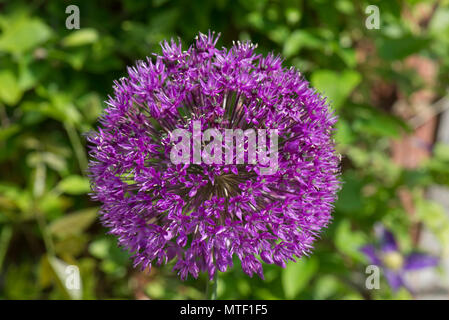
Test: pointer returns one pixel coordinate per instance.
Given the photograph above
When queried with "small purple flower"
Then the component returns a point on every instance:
(394, 263)
(204, 215)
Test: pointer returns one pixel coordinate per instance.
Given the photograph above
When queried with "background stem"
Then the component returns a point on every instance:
(211, 288)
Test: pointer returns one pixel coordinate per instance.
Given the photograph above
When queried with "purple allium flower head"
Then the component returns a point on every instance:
(395, 264)
(203, 215)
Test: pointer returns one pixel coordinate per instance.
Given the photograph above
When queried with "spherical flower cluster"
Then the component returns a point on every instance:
(203, 215)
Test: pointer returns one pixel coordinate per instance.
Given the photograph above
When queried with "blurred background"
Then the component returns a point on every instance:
(388, 85)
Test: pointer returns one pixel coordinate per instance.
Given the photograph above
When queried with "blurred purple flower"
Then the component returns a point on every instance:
(388, 256)
(204, 215)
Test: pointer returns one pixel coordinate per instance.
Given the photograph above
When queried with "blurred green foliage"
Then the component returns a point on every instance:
(53, 82)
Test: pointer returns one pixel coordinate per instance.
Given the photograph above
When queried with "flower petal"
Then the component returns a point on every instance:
(370, 253)
(416, 261)
(388, 242)
(394, 279)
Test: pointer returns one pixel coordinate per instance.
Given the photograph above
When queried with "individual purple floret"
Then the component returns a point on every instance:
(393, 262)
(203, 215)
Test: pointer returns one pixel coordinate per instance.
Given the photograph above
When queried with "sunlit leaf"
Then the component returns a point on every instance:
(297, 275)
(74, 185)
(22, 33)
(335, 86)
(299, 39)
(61, 271)
(80, 37)
(73, 223)
(349, 241)
(10, 91)
(435, 218)
(326, 286)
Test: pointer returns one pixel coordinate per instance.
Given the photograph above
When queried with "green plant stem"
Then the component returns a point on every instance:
(77, 146)
(38, 190)
(48, 241)
(5, 238)
(211, 288)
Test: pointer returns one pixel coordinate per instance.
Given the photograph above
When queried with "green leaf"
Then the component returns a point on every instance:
(6, 133)
(74, 185)
(349, 242)
(300, 39)
(59, 109)
(439, 25)
(350, 197)
(293, 15)
(80, 37)
(73, 223)
(156, 290)
(266, 294)
(73, 245)
(344, 134)
(22, 33)
(52, 205)
(372, 121)
(10, 92)
(297, 275)
(100, 248)
(400, 48)
(30, 72)
(18, 282)
(434, 217)
(90, 280)
(54, 161)
(12, 195)
(438, 165)
(326, 286)
(441, 151)
(90, 106)
(402, 294)
(58, 270)
(335, 86)
(278, 34)
(348, 56)
(382, 126)
(345, 6)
